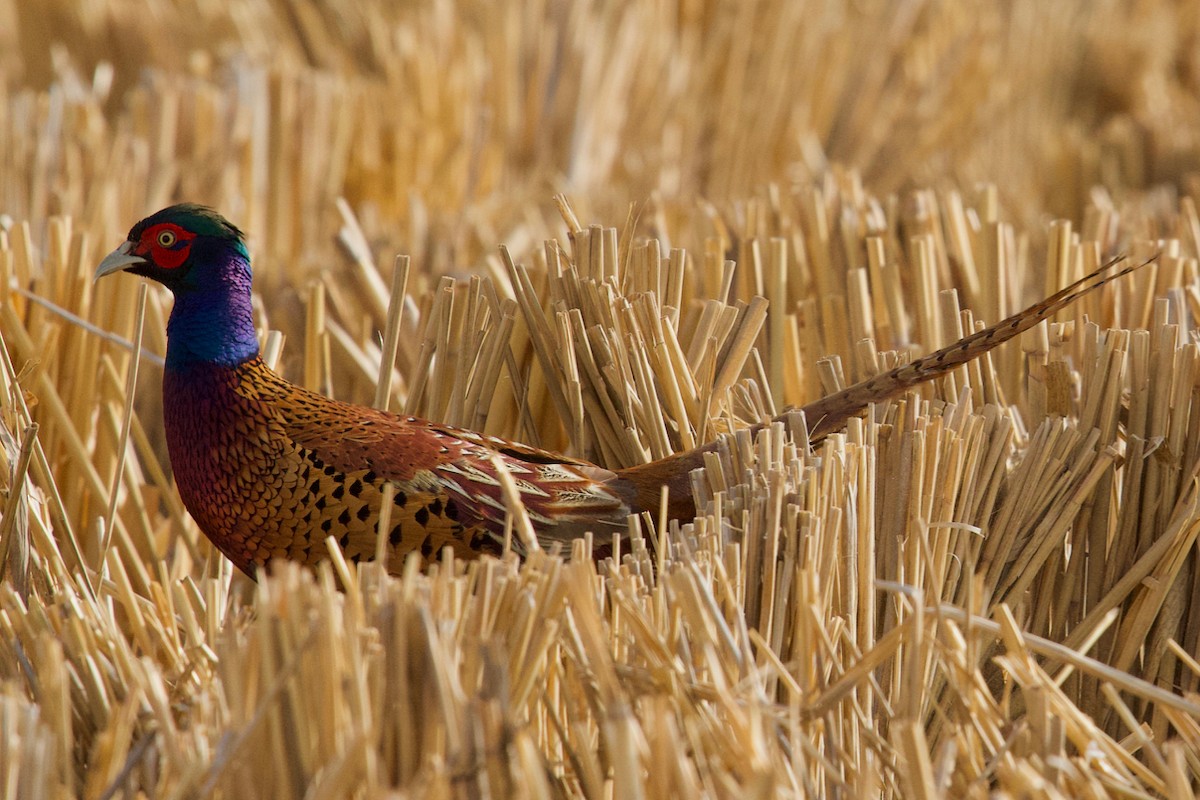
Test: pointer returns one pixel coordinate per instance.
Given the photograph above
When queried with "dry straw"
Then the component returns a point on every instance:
(985, 587)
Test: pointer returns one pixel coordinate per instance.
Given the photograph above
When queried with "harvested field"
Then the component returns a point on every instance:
(619, 230)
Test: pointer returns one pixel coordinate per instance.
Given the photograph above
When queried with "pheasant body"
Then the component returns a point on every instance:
(269, 469)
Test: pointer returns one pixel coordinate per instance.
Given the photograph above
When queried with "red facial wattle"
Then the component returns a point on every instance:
(166, 245)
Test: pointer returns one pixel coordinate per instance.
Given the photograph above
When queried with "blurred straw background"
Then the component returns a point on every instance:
(630, 228)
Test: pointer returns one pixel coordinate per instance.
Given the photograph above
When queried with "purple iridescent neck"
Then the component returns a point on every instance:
(213, 320)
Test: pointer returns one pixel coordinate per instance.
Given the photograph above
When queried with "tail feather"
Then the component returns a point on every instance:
(831, 412)
(642, 485)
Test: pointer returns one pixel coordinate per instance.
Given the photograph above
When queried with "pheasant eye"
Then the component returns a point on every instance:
(166, 239)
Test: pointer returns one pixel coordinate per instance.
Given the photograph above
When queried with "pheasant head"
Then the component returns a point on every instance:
(202, 259)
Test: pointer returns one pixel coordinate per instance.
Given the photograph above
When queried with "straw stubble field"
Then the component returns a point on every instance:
(626, 228)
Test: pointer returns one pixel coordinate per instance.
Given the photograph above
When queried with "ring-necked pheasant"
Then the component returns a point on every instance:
(269, 469)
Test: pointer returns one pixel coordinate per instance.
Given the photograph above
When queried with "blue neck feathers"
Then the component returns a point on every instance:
(213, 320)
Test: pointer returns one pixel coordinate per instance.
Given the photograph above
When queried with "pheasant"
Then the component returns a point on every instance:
(270, 470)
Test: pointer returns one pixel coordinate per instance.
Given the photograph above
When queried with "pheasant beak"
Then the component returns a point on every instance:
(117, 260)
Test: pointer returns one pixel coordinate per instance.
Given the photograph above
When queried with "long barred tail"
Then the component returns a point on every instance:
(831, 412)
(644, 483)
